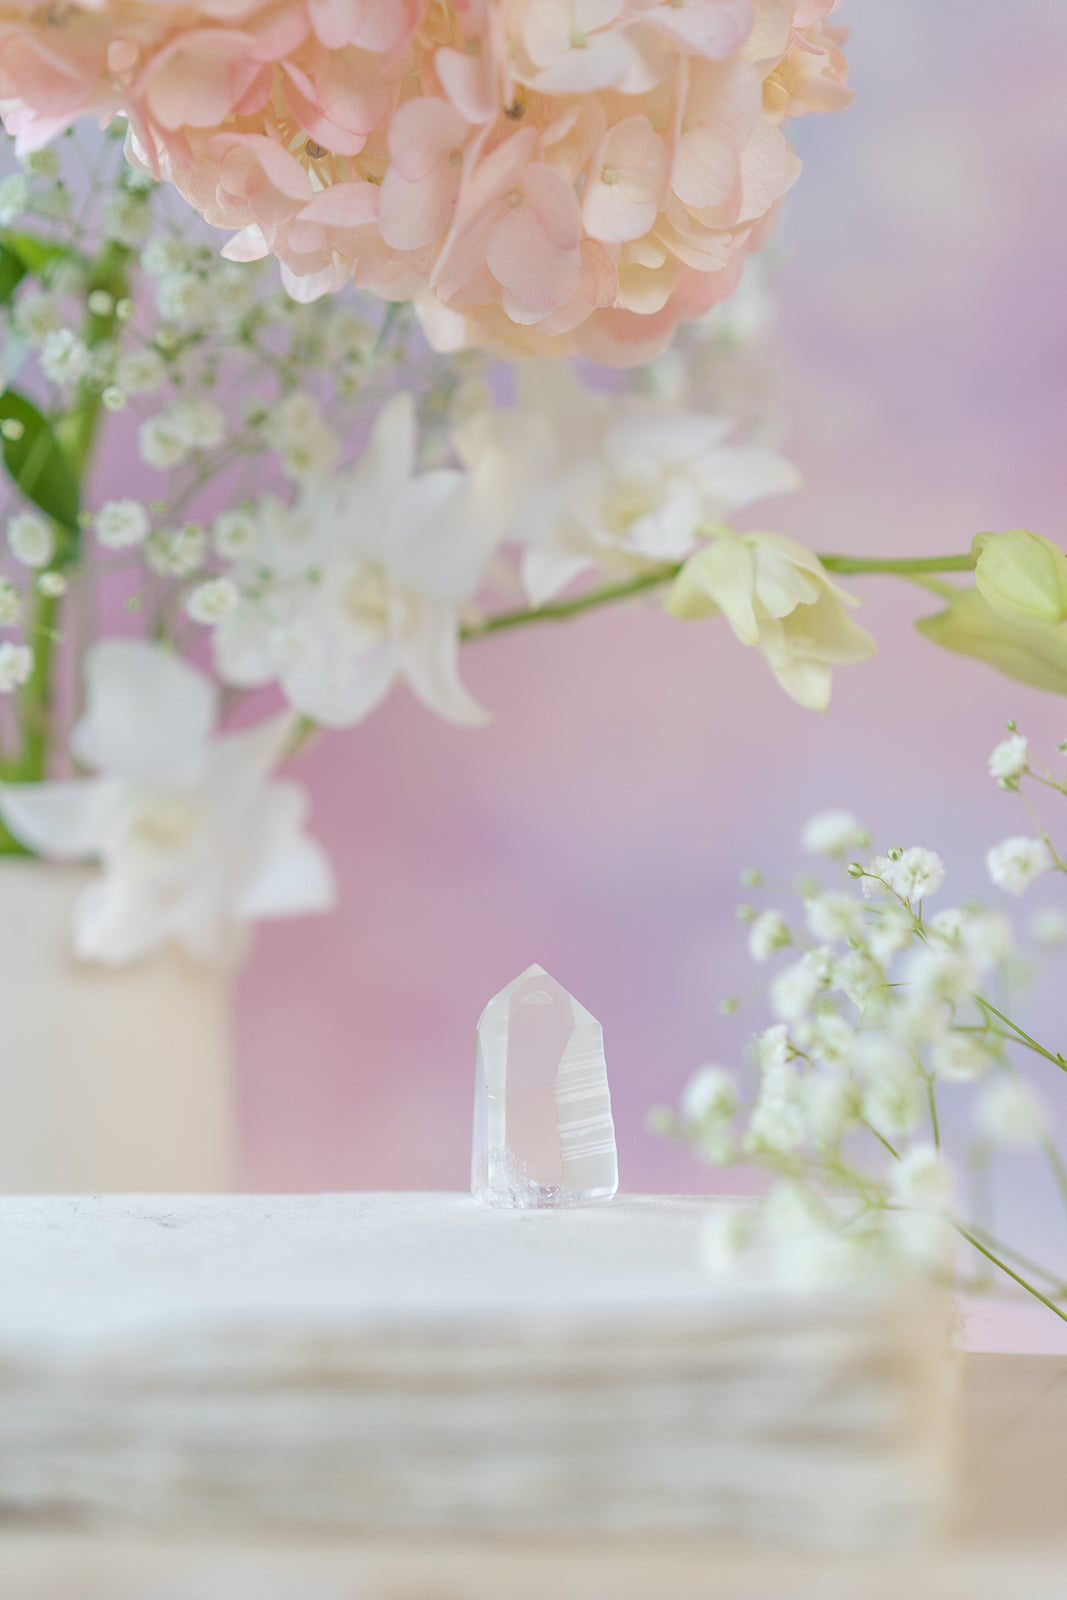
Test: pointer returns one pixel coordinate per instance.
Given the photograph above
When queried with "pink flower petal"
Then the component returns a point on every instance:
(352, 92)
(711, 28)
(416, 213)
(809, 12)
(198, 78)
(469, 82)
(382, 25)
(533, 248)
(422, 136)
(625, 182)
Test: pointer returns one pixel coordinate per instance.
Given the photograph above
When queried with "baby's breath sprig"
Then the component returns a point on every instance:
(883, 1009)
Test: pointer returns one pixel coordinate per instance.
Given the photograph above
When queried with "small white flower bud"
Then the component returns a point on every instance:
(177, 553)
(16, 666)
(160, 444)
(914, 874)
(30, 539)
(1016, 863)
(140, 371)
(36, 316)
(121, 524)
(1010, 1113)
(65, 358)
(1010, 758)
(709, 1096)
(832, 833)
(200, 423)
(213, 601)
(769, 932)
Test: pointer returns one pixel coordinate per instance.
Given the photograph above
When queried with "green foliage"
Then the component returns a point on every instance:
(37, 462)
(22, 253)
(36, 255)
(12, 272)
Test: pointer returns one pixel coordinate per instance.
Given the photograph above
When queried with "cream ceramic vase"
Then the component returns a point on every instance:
(110, 1080)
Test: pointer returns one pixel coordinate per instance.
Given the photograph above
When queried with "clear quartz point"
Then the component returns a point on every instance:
(543, 1133)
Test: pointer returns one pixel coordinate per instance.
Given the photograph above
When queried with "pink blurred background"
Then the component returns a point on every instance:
(636, 764)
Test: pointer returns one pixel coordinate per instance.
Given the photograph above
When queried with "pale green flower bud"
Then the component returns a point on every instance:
(1022, 575)
(1034, 653)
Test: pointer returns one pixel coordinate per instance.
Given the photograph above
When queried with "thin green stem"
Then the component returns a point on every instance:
(666, 572)
(1028, 1265)
(934, 1124)
(76, 433)
(1020, 1036)
(563, 610)
(990, 1255)
(899, 566)
(304, 734)
(1059, 1171)
(882, 1140)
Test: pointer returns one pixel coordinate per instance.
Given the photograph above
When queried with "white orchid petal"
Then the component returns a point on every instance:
(207, 926)
(68, 820)
(292, 874)
(238, 765)
(722, 573)
(114, 924)
(336, 685)
(390, 453)
(444, 536)
(732, 478)
(431, 666)
(548, 570)
(149, 714)
(245, 649)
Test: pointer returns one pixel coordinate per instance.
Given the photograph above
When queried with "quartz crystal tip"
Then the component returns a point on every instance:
(543, 1131)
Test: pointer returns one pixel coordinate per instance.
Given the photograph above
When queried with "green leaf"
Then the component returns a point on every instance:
(37, 462)
(35, 254)
(12, 272)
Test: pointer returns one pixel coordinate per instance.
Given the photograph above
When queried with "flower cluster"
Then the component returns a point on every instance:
(192, 839)
(885, 1010)
(295, 515)
(607, 485)
(538, 175)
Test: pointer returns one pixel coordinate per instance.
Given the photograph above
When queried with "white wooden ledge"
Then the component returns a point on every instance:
(370, 1366)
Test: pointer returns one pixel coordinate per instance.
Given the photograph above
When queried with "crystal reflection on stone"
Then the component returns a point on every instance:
(543, 1132)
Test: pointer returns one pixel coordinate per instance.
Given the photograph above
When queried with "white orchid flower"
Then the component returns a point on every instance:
(194, 842)
(370, 587)
(609, 487)
(775, 594)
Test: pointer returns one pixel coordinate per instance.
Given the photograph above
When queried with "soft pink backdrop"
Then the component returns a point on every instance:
(636, 763)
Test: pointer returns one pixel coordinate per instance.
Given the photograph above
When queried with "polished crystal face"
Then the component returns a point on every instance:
(543, 1134)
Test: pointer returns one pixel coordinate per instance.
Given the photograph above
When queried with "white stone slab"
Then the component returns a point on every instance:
(375, 1363)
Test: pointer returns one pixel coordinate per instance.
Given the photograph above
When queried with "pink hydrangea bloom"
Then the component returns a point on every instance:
(543, 176)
